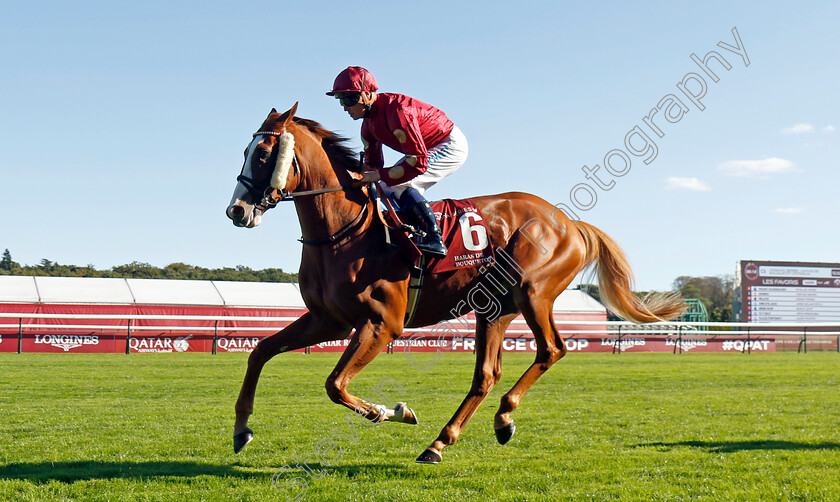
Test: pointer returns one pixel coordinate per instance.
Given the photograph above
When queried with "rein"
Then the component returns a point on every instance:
(293, 195)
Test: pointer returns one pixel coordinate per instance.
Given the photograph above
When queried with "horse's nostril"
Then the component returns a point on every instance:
(236, 212)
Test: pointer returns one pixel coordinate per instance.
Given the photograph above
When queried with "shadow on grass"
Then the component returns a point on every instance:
(733, 446)
(371, 471)
(350, 471)
(83, 470)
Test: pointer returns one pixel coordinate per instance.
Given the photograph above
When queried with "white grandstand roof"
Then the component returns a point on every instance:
(25, 289)
(82, 290)
(573, 300)
(20, 289)
(174, 292)
(260, 294)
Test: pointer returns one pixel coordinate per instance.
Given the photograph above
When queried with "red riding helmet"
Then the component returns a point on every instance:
(354, 79)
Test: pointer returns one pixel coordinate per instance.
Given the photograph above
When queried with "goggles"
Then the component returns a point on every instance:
(349, 98)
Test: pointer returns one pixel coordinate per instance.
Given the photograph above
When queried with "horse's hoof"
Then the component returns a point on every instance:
(404, 414)
(241, 439)
(504, 434)
(429, 457)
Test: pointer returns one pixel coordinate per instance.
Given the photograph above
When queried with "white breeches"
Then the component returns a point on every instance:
(444, 159)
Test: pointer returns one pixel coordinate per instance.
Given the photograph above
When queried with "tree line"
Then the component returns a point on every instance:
(140, 270)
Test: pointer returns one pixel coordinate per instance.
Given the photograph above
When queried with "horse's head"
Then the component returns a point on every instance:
(266, 172)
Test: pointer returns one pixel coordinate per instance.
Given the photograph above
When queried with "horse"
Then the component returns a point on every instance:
(353, 281)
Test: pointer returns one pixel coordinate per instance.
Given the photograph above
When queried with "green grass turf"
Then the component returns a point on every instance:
(646, 427)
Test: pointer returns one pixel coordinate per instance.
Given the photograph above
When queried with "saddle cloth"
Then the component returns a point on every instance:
(465, 235)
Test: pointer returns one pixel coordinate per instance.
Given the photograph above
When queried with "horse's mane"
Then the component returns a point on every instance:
(339, 153)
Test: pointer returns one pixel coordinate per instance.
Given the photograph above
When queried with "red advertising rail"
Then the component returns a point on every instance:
(149, 328)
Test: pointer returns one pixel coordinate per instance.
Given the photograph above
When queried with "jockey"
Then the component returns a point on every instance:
(433, 147)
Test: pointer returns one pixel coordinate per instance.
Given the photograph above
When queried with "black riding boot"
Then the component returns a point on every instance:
(418, 207)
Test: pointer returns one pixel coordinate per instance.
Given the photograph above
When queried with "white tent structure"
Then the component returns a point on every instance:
(159, 315)
(107, 291)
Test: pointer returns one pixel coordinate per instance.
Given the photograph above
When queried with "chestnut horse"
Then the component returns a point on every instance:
(352, 281)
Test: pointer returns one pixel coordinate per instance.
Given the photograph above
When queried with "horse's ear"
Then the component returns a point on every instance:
(291, 113)
(273, 110)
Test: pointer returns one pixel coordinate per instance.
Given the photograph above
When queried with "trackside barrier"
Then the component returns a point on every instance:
(114, 333)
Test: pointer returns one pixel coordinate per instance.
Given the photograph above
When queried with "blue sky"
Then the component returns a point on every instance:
(123, 123)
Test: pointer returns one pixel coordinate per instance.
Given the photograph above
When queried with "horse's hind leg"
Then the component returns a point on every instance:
(538, 313)
(304, 332)
(488, 370)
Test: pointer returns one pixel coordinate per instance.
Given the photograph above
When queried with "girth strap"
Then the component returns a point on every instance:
(415, 286)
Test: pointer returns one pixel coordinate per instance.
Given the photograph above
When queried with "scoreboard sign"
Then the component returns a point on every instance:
(780, 291)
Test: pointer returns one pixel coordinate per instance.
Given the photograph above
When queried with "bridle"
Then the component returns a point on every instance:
(266, 195)
(269, 196)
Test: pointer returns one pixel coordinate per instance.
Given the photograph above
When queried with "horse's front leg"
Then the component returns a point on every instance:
(306, 331)
(367, 342)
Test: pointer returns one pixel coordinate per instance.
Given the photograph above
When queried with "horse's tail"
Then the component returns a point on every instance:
(615, 280)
